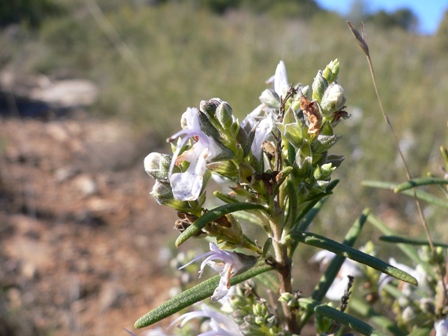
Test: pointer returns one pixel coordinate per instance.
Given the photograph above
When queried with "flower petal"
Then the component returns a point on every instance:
(281, 85)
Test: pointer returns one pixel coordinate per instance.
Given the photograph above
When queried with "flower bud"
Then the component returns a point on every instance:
(238, 315)
(224, 115)
(270, 98)
(331, 71)
(286, 297)
(157, 165)
(333, 99)
(209, 106)
(292, 129)
(163, 194)
(326, 170)
(259, 309)
(305, 90)
(319, 86)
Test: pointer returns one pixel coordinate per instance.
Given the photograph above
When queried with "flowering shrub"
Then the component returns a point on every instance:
(278, 162)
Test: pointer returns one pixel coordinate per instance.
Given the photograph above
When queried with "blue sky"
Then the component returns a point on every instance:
(429, 12)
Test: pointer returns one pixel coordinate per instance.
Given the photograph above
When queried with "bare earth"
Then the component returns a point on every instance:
(79, 233)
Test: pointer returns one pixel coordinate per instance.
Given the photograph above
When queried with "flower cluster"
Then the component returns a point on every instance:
(213, 141)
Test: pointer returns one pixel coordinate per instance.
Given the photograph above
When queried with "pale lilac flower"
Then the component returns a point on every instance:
(155, 332)
(261, 123)
(187, 185)
(341, 281)
(228, 264)
(220, 324)
(406, 289)
(152, 332)
(280, 80)
(441, 327)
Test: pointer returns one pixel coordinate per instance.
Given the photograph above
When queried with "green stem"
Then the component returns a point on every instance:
(284, 264)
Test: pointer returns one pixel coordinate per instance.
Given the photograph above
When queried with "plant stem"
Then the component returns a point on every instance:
(284, 272)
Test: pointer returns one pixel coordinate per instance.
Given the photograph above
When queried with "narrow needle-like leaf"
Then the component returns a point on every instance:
(409, 241)
(351, 253)
(195, 294)
(418, 182)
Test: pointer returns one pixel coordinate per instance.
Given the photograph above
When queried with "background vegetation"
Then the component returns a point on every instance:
(152, 59)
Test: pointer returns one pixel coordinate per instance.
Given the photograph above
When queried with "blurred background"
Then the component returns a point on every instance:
(89, 87)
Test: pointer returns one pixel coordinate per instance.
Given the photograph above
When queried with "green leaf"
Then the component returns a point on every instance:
(270, 280)
(420, 194)
(379, 184)
(409, 241)
(418, 182)
(266, 247)
(351, 253)
(410, 252)
(366, 310)
(212, 215)
(312, 208)
(333, 268)
(195, 294)
(292, 202)
(334, 314)
(347, 320)
(251, 217)
(225, 197)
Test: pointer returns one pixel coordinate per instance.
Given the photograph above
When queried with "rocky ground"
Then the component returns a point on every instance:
(80, 237)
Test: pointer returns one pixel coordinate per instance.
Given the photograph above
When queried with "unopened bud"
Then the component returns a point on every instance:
(209, 106)
(224, 115)
(259, 309)
(319, 86)
(157, 165)
(331, 71)
(289, 299)
(270, 98)
(163, 194)
(333, 99)
(305, 90)
(326, 170)
(238, 315)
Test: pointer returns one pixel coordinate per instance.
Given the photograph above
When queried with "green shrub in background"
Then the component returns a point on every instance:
(30, 12)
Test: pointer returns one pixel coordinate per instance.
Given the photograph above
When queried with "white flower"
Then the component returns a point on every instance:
(220, 324)
(187, 185)
(229, 264)
(261, 125)
(441, 327)
(152, 332)
(280, 80)
(340, 283)
(406, 289)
